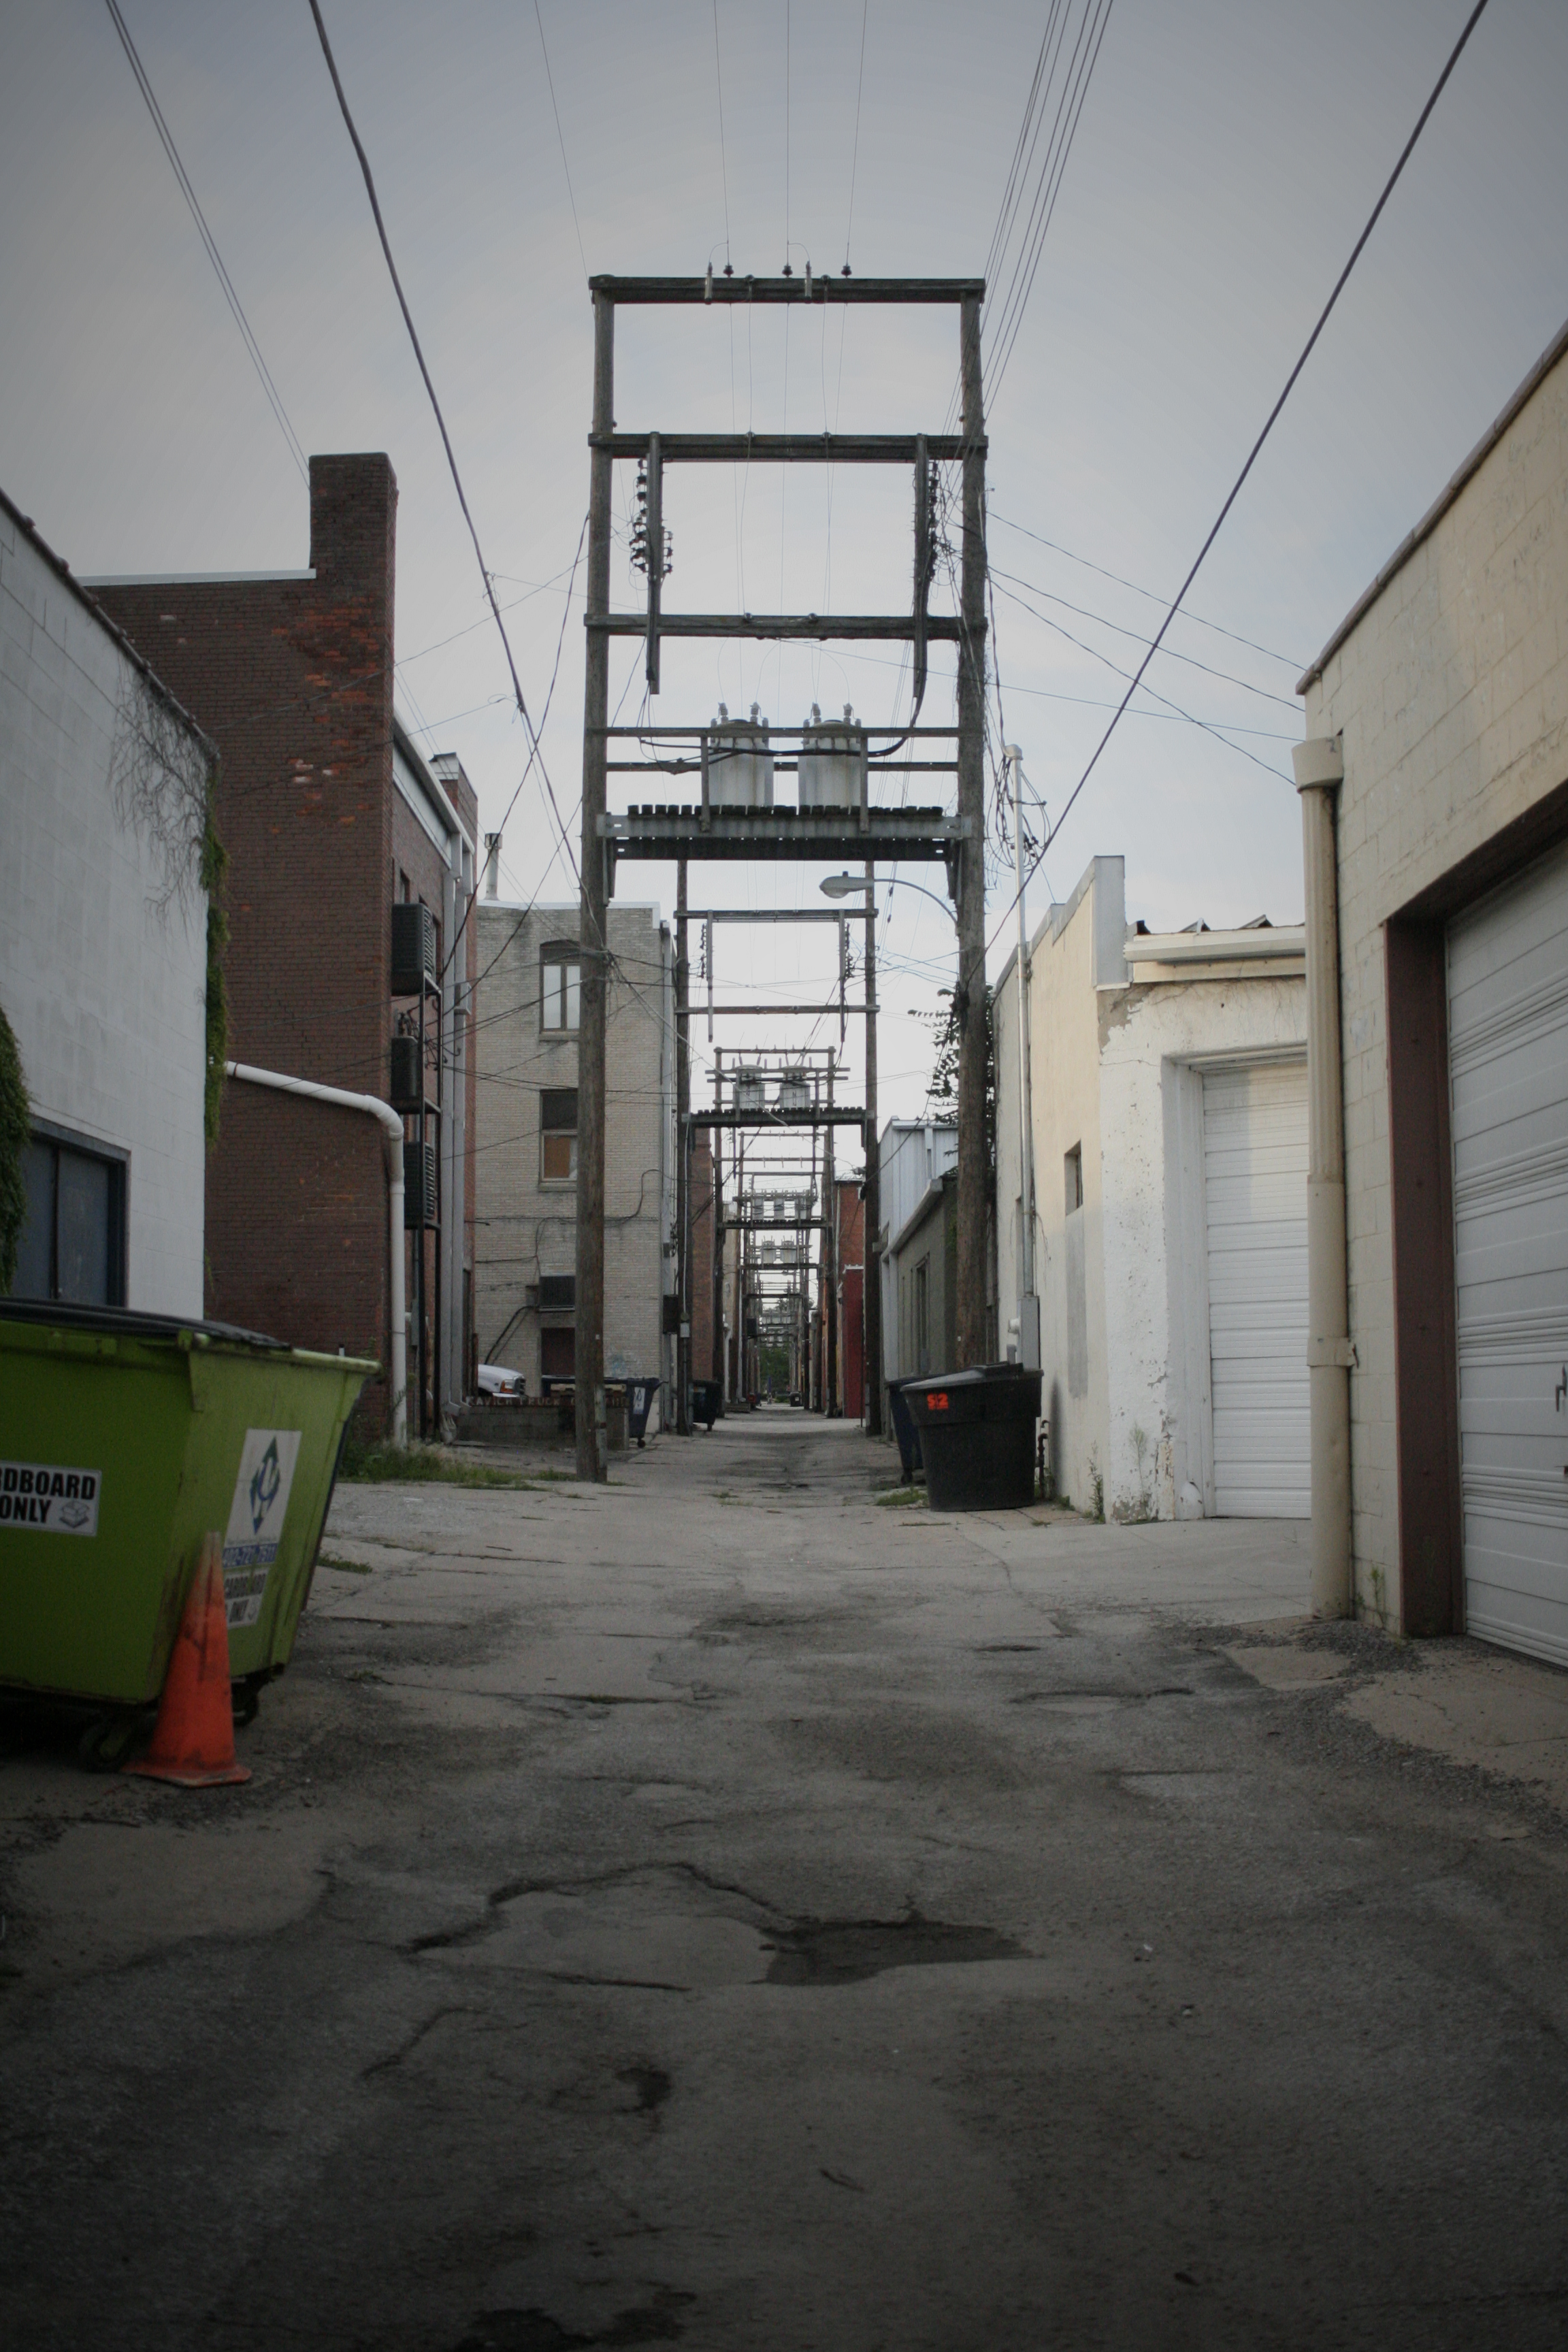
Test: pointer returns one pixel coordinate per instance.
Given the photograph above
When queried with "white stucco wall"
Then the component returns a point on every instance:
(1452, 694)
(107, 996)
(1110, 1061)
(1070, 951)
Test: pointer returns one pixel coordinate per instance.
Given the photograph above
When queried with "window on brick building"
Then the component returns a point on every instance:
(558, 1135)
(560, 985)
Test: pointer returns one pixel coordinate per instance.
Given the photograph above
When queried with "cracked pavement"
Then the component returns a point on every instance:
(727, 1908)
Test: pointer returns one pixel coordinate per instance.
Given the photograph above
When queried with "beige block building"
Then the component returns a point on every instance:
(525, 1038)
(1447, 691)
(1169, 1125)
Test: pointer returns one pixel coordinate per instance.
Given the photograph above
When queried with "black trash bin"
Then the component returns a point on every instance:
(640, 1395)
(705, 1401)
(904, 1430)
(977, 1432)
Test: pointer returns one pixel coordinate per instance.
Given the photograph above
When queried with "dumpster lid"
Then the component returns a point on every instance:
(131, 1322)
(976, 1376)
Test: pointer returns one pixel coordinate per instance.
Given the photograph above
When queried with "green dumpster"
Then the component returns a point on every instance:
(124, 1438)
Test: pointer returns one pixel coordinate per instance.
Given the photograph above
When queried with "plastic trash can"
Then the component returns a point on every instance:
(640, 1395)
(705, 1401)
(977, 1434)
(128, 1437)
(904, 1430)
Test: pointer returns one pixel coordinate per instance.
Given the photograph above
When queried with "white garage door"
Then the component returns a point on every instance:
(1508, 1063)
(1255, 1191)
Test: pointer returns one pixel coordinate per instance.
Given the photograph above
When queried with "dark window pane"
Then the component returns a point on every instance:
(84, 1229)
(35, 1247)
(558, 1110)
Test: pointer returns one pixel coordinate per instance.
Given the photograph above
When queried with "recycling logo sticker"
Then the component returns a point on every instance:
(256, 1520)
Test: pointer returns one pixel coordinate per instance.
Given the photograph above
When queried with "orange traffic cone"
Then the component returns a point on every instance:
(193, 1741)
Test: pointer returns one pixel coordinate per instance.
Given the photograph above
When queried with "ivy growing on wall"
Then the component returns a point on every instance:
(214, 868)
(16, 1127)
(943, 1091)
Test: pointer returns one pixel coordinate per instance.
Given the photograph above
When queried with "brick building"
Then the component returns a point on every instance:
(329, 816)
(850, 1261)
(701, 1288)
(526, 1012)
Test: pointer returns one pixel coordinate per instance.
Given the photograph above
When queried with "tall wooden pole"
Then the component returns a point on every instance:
(831, 1402)
(970, 996)
(870, 1257)
(594, 937)
(683, 1161)
(720, 1367)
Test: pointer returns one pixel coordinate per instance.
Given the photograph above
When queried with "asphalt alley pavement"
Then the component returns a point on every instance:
(734, 1909)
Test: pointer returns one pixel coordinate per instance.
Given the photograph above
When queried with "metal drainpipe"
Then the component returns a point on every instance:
(392, 1139)
(1319, 770)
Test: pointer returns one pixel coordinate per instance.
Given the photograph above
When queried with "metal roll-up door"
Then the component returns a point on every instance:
(1255, 1194)
(1507, 1070)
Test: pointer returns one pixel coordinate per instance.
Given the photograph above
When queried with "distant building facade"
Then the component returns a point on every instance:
(1169, 1087)
(103, 943)
(527, 1012)
(330, 818)
(919, 1332)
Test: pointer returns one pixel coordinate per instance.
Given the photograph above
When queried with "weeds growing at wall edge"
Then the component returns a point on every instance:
(375, 1465)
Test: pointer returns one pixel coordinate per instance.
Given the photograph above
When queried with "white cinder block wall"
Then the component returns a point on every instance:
(1451, 691)
(1109, 1061)
(104, 985)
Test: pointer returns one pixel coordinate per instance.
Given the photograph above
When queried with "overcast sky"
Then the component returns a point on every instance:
(1227, 156)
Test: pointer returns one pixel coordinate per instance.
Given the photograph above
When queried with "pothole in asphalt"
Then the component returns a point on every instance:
(844, 1951)
(535, 2331)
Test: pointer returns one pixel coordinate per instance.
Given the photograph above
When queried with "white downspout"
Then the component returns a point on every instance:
(392, 1139)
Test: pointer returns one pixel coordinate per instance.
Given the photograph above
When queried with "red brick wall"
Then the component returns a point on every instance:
(293, 680)
(701, 1285)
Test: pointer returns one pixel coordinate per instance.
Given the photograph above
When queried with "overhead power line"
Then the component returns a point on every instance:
(1152, 595)
(1169, 653)
(274, 397)
(1471, 21)
(1003, 328)
(441, 421)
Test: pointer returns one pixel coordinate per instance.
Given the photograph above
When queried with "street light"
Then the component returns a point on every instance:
(839, 886)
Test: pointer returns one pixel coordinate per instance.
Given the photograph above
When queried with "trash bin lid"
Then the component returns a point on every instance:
(131, 1322)
(983, 1393)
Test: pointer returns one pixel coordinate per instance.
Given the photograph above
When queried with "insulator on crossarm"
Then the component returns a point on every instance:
(707, 284)
(808, 281)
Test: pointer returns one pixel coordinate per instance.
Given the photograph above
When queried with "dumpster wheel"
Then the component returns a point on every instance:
(110, 1739)
(247, 1697)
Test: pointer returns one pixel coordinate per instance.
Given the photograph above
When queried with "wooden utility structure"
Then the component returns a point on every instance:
(704, 830)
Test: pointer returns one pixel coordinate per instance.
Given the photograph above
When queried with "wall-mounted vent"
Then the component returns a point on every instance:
(557, 1292)
(419, 1207)
(413, 949)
